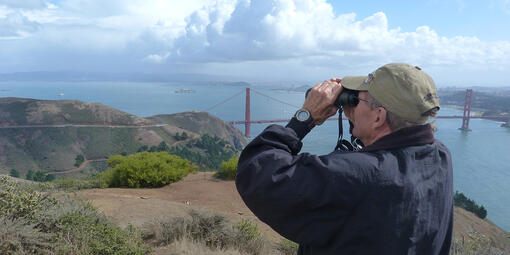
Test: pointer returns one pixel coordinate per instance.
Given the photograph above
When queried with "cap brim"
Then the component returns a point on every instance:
(355, 83)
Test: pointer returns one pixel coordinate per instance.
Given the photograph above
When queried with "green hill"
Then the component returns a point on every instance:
(25, 111)
(29, 141)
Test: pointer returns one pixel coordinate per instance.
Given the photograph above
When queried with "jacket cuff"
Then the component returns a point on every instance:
(301, 128)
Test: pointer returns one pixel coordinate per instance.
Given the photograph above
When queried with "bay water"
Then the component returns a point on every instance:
(481, 157)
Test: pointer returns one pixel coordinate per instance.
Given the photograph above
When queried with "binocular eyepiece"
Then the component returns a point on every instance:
(346, 98)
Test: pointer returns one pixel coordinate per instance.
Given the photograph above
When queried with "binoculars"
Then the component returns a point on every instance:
(346, 98)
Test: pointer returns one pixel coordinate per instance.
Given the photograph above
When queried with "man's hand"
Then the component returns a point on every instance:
(320, 99)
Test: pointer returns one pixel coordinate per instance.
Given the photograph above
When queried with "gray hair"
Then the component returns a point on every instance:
(396, 122)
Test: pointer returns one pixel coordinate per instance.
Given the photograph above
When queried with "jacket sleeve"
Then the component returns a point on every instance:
(301, 196)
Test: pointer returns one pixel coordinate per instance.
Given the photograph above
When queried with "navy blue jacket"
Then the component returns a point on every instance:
(394, 197)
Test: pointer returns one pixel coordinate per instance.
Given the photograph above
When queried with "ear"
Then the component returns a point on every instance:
(380, 118)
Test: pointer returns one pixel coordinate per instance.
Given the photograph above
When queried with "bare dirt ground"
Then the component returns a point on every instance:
(199, 190)
(202, 191)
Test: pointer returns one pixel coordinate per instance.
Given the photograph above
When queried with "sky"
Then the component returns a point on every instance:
(458, 42)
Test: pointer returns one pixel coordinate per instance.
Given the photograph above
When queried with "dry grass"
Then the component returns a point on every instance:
(475, 243)
(203, 229)
(185, 246)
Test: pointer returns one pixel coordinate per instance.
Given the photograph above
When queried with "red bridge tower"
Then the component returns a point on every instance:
(247, 114)
(467, 111)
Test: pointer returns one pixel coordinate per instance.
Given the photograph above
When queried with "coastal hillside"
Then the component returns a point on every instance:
(26, 111)
(67, 136)
(203, 123)
(496, 103)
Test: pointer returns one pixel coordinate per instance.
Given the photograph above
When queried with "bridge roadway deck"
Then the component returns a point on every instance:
(496, 118)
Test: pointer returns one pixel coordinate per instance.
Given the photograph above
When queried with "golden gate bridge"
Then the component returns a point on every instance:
(248, 120)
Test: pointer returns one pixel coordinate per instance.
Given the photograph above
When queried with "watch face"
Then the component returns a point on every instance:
(302, 115)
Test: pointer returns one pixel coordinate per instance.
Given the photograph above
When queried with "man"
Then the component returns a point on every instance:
(392, 197)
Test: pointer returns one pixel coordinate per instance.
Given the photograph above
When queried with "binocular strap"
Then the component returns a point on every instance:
(343, 144)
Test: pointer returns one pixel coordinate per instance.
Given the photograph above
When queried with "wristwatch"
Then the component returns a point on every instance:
(304, 116)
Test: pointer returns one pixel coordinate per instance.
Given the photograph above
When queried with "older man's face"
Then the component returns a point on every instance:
(362, 116)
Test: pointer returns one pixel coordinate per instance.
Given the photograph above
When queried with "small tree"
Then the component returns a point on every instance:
(163, 146)
(79, 160)
(462, 201)
(39, 176)
(49, 177)
(30, 175)
(143, 148)
(228, 169)
(14, 173)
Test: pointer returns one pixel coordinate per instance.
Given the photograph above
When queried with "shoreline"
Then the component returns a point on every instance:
(474, 111)
(477, 112)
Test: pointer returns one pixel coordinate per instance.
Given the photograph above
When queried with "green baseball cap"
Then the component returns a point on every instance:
(402, 89)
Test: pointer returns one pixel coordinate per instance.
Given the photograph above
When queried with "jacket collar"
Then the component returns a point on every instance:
(405, 137)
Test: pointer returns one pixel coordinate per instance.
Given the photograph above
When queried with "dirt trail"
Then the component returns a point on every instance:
(199, 190)
(77, 168)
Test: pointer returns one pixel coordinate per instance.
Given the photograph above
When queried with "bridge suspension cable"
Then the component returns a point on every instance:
(280, 101)
(224, 101)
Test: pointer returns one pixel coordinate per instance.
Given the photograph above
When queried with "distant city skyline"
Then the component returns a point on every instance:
(458, 42)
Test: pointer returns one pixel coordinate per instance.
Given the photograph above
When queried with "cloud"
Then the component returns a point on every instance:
(304, 37)
(14, 25)
(236, 31)
(24, 4)
(506, 6)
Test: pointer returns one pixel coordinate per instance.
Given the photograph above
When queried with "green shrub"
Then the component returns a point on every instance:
(228, 169)
(79, 160)
(287, 247)
(462, 201)
(29, 175)
(248, 237)
(207, 151)
(18, 237)
(145, 170)
(14, 173)
(89, 234)
(17, 201)
(32, 222)
(39, 176)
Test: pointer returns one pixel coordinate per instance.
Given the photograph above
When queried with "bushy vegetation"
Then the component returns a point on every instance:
(181, 137)
(39, 176)
(33, 222)
(212, 230)
(14, 173)
(79, 160)
(207, 151)
(462, 201)
(228, 169)
(287, 247)
(145, 170)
